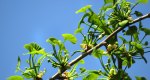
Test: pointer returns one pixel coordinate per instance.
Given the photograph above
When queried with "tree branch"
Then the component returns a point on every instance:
(100, 44)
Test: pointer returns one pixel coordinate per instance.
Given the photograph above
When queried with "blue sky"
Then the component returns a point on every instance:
(25, 21)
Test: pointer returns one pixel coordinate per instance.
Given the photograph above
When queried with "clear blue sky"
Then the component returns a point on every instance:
(25, 21)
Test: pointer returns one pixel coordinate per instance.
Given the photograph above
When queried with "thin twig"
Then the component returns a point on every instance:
(100, 44)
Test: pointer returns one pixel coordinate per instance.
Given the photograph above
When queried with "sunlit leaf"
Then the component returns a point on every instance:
(140, 78)
(78, 30)
(108, 1)
(53, 41)
(112, 71)
(83, 9)
(42, 51)
(32, 47)
(125, 61)
(137, 45)
(123, 23)
(92, 75)
(28, 73)
(81, 61)
(143, 1)
(98, 53)
(15, 77)
(94, 19)
(70, 38)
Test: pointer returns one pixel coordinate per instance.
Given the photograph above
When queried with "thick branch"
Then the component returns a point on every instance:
(101, 44)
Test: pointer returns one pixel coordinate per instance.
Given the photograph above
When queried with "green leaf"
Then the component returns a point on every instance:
(92, 75)
(108, 1)
(34, 48)
(70, 38)
(53, 41)
(81, 61)
(138, 14)
(137, 45)
(123, 40)
(29, 73)
(134, 32)
(139, 50)
(131, 30)
(78, 30)
(82, 19)
(140, 78)
(18, 64)
(97, 53)
(42, 51)
(82, 70)
(107, 7)
(112, 71)
(125, 61)
(83, 9)
(15, 77)
(143, 1)
(136, 36)
(123, 23)
(146, 30)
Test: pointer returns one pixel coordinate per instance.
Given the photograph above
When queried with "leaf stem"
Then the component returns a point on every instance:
(143, 38)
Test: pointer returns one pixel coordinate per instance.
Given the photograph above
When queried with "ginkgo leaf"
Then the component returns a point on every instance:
(138, 14)
(92, 75)
(107, 7)
(42, 51)
(15, 77)
(53, 41)
(32, 46)
(81, 61)
(78, 30)
(143, 1)
(82, 69)
(140, 78)
(18, 64)
(146, 30)
(83, 9)
(108, 1)
(97, 53)
(123, 39)
(123, 23)
(70, 38)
